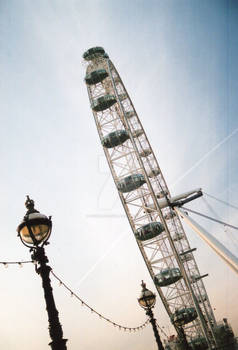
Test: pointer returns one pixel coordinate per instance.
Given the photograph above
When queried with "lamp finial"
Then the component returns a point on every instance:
(29, 203)
(143, 285)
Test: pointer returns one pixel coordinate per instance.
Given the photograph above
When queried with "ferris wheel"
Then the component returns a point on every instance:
(147, 202)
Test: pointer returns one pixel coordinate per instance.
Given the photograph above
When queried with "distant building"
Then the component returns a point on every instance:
(224, 336)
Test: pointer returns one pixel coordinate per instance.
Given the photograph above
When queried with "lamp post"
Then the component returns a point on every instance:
(147, 302)
(34, 232)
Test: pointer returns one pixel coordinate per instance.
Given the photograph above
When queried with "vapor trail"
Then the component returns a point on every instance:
(204, 157)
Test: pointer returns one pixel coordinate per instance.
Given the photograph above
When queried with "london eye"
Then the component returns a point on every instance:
(148, 203)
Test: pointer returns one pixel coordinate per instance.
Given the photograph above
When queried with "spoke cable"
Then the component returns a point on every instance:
(210, 218)
(219, 200)
(211, 208)
(226, 231)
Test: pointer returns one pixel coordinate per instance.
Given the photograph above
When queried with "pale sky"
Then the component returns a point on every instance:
(178, 61)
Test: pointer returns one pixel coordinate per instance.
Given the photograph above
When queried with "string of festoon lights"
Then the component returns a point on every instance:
(19, 263)
(83, 303)
(120, 327)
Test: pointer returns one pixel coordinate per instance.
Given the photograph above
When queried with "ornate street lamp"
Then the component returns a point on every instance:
(34, 232)
(147, 302)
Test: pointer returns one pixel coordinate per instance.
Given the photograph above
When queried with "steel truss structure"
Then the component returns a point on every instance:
(113, 111)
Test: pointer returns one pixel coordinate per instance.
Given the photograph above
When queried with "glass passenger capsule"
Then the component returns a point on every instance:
(93, 53)
(194, 278)
(137, 133)
(96, 76)
(198, 343)
(115, 138)
(168, 276)
(103, 102)
(201, 298)
(150, 208)
(170, 215)
(154, 172)
(184, 316)
(186, 257)
(162, 194)
(122, 97)
(145, 152)
(149, 231)
(129, 114)
(178, 236)
(130, 183)
(116, 79)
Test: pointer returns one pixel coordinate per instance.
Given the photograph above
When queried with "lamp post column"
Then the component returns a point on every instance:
(55, 329)
(149, 313)
(34, 232)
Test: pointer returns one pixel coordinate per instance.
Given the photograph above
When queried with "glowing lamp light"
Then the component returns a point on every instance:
(147, 298)
(35, 227)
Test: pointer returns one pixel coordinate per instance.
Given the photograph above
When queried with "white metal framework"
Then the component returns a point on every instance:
(142, 195)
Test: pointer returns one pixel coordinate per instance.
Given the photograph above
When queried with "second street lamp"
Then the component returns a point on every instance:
(147, 302)
(34, 232)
